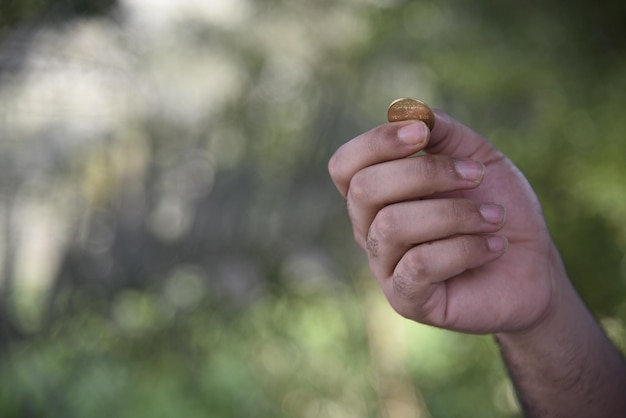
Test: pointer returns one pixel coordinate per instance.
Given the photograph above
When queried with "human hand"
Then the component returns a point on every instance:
(434, 229)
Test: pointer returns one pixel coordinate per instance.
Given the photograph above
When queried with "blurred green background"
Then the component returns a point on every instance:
(171, 243)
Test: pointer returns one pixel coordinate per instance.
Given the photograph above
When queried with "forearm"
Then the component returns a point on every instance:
(566, 366)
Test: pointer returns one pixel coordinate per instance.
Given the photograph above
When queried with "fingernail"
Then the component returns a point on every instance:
(469, 170)
(492, 213)
(496, 244)
(414, 133)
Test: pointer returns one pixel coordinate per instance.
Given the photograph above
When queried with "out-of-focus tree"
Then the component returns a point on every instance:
(16, 12)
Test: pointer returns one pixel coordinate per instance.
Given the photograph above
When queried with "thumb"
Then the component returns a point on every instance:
(450, 137)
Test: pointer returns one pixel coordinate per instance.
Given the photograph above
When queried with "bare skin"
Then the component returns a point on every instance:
(456, 238)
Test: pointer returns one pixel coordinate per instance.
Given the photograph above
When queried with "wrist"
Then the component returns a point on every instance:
(563, 365)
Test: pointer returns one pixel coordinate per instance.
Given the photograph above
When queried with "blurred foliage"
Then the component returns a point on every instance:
(171, 244)
(14, 13)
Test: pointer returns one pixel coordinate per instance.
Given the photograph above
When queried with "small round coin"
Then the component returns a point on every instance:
(406, 109)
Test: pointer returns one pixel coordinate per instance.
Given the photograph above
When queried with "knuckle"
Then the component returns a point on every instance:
(360, 188)
(411, 286)
(403, 293)
(427, 167)
(372, 245)
(467, 247)
(458, 210)
(402, 286)
(417, 264)
(358, 236)
(407, 297)
(385, 224)
(350, 210)
(334, 167)
(383, 230)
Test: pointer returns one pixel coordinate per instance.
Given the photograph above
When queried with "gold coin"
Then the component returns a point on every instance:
(406, 109)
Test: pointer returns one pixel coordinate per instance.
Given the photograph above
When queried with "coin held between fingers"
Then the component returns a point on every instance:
(407, 109)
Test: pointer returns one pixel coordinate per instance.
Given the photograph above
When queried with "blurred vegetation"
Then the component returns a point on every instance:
(171, 244)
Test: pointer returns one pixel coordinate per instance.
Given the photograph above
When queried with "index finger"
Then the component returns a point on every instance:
(387, 142)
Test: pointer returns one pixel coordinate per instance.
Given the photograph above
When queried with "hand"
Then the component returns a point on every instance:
(455, 237)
